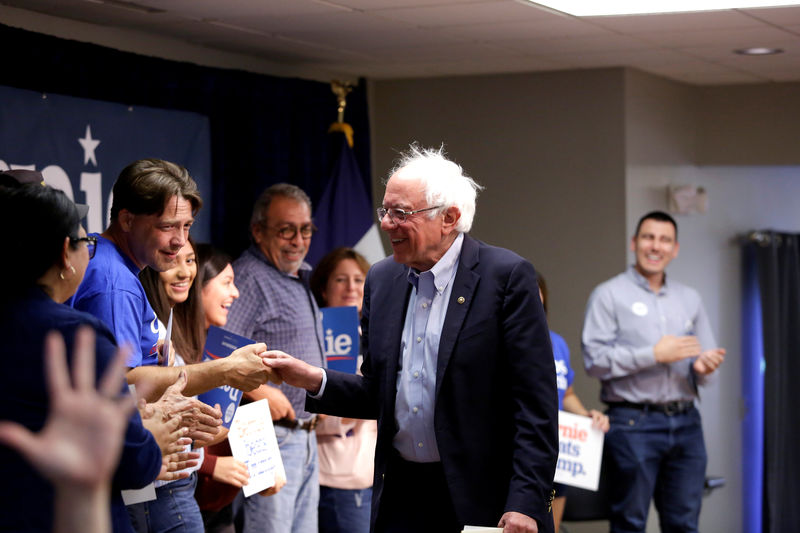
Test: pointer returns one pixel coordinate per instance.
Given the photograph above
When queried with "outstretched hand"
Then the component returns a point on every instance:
(293, 371)
(202, 421)
(81, 441)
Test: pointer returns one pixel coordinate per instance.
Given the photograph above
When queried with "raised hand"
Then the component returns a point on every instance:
(80, 444)
(81, 441)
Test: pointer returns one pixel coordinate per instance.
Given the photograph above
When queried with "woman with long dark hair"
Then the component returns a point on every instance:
(221, 476)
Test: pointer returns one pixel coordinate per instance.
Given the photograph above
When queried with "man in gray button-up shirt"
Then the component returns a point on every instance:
(649, 342)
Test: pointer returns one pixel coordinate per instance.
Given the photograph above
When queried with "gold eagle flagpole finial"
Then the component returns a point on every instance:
(341, 89)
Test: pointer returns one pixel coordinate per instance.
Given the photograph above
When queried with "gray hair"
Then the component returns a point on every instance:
(284, 190)
(443, 182)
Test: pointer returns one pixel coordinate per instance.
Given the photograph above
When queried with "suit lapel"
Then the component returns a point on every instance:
(464, 285)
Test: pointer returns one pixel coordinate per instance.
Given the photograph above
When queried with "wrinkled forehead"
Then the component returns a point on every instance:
(286, 210)
(403, 190)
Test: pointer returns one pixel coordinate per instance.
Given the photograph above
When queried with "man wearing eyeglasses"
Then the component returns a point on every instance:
(458, 367)
(276, 306)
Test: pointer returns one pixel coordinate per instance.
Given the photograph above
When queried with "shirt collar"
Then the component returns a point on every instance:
(642, 281)
(444, 269)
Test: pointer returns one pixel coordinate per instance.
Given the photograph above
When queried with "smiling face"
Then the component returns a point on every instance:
(286, 254)
(655, 246)
(345, 285)
(178, 280)
(218, 294)
(154, 240)
(421, 240)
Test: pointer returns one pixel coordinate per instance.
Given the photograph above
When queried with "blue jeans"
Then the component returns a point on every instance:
(294, 508)
(659, 456)
(344, 510)
(173, 510)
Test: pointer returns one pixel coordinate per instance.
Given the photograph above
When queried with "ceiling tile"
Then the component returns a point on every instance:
(676, 21)
(776, 15)
(472, 14)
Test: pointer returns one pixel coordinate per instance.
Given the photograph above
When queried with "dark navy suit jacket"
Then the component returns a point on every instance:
(496, 406)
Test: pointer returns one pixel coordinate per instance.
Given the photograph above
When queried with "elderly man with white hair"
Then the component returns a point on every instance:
(458, 367)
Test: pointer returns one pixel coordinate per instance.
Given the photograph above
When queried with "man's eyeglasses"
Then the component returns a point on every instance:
(289, 232)
(91, 244)
(398, 216)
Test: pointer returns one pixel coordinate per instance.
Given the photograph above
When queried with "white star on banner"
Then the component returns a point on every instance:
(89, 146)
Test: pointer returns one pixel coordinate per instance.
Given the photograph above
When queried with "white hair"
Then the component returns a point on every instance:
(443, 182)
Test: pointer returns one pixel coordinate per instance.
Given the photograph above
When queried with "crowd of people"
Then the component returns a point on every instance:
(450, 420)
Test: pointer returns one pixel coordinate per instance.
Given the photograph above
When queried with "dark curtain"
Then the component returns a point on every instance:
(264, 129)
(778, 263)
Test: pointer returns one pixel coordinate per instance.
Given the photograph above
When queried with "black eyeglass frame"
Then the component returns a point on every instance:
(399, 216)
(290, 231)
(91, 244)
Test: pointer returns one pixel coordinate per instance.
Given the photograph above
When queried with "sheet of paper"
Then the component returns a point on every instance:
(252, 440)
(580, 451)
(146, 494)
(482, 528)
(167, 341)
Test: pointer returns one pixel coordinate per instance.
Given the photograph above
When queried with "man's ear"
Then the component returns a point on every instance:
(256, 233)
(450, 218)
(125, 220)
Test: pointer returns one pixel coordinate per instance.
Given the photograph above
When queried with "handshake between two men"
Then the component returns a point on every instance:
(176, 418)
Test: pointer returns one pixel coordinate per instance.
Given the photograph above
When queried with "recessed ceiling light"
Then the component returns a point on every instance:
(595, 8)
(758, 51)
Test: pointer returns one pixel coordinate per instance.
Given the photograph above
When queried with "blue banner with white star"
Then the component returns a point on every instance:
(81, 145)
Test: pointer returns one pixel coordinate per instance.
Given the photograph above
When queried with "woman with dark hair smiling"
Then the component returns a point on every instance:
(50, 254)
(221, 475)
(175, 290)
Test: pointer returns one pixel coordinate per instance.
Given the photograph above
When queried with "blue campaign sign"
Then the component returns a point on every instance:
(219, 344)
(80, 146)
(340, 326)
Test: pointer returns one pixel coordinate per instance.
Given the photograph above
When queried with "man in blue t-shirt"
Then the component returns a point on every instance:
(154, 205)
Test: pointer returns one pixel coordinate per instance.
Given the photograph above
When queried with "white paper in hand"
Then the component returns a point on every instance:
(164, 361)
(252, 440)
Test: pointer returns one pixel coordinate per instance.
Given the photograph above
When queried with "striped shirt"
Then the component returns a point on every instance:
(279, 310)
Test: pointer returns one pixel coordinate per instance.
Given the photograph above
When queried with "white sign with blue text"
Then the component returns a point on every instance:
(580, 451)
(340, 328)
